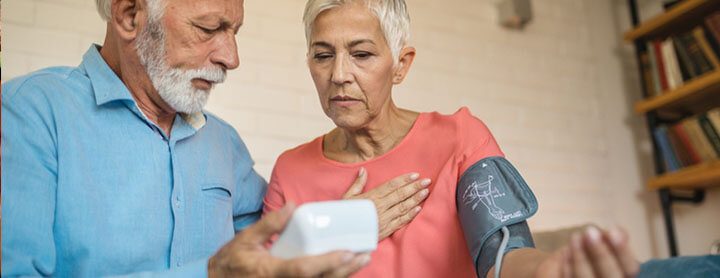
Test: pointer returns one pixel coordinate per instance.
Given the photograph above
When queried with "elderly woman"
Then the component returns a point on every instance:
(357, 52)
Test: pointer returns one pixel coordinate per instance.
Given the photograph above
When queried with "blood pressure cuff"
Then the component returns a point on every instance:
(491, 194)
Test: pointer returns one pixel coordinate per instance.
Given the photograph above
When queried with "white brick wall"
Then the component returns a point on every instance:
(557, 95)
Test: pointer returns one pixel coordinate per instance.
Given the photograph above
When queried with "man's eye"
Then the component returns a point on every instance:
(207, 30)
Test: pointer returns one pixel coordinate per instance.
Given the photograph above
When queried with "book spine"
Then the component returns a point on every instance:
(672, 70)
(685, 61)
(654, 69)
(710, 132)
(647, 76)
(682, 135)
(699, 34)
(660, 66)
(660, 134)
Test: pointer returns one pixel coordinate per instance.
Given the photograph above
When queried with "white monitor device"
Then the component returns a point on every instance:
(321, 227)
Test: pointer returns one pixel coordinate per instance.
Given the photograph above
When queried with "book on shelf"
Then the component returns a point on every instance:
(691, 141)
(675, 60)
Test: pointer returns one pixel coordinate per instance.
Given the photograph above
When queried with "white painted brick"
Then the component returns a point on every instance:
(53, 16)
(18, 12)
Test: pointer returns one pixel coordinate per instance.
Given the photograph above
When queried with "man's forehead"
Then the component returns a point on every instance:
(225, 10)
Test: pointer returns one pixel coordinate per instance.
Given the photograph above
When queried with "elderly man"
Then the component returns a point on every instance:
(112, 167)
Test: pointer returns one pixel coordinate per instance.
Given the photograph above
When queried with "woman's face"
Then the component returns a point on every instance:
(351, 65)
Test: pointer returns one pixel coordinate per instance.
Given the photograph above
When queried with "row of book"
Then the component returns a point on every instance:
(691, 141)
(668, 64)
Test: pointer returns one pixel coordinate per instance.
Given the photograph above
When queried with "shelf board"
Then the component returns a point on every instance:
(697, 95)
(697, 176)
(680, 17)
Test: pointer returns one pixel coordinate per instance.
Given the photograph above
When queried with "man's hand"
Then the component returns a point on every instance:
(247, 255)
(397, 201)
(593, 253)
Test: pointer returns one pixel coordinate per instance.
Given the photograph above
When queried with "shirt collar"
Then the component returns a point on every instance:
(107, 87)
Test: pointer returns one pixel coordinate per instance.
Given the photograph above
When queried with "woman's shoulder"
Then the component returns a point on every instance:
(462, 121)
(303, 153)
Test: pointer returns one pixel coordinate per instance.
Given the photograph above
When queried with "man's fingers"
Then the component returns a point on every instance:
(620, 247)
(356, 264)
(603, 260)
(313, 265)
(580, 264)
(358, 185)
(270, 224)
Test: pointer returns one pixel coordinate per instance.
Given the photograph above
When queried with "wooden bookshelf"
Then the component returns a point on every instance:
(696, 176)
(680, 17)
(695, 96)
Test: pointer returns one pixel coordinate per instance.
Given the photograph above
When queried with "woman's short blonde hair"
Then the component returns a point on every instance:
(392, 14)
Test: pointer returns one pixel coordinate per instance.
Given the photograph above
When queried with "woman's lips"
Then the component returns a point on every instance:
(344, 101)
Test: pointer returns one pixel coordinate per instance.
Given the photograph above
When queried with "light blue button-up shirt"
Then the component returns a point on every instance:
(91, 187)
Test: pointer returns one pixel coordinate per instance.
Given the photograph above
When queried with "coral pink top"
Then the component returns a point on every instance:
(439, 147)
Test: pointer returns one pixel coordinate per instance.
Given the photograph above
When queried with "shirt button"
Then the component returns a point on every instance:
(177, 201)
(178, 264)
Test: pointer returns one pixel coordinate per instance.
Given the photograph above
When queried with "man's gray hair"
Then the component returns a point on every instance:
(156, 9)
(392, 14)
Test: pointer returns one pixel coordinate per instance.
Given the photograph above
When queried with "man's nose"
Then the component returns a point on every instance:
(226, 53)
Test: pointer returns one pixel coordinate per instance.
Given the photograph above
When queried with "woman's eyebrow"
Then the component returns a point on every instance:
(360, 41)
(322, 44)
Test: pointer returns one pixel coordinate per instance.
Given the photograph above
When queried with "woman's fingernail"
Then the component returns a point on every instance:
(347, 257)
(424, 192)
(414, 176)
(593, 234)
(362, 172)
(425, 182)
(417, 209)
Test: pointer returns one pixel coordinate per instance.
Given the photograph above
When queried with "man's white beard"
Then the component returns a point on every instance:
(173, 84)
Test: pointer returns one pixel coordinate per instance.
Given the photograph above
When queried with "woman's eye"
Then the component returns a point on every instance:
(362, 55)
(322, 56)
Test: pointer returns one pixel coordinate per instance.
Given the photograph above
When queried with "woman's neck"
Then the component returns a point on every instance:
(380, 136)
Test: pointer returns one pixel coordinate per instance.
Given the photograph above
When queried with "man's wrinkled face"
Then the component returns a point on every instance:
(189, 48)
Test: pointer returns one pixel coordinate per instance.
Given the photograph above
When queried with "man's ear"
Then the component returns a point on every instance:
(126, 14)
(405, 60)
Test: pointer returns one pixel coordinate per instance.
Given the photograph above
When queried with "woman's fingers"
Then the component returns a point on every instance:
(358, 185)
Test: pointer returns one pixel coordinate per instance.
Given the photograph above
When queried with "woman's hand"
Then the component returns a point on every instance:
(397, 201)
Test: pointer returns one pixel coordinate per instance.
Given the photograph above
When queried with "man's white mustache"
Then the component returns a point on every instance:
(214, 75)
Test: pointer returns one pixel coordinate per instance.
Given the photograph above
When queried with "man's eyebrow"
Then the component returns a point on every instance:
(224, 22)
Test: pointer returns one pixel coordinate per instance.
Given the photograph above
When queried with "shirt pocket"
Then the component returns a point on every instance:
(217, 215)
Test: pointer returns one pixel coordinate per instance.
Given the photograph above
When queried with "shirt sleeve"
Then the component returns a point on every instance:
(251, 188)
(275, 197)
(476, 140)
(29, 182)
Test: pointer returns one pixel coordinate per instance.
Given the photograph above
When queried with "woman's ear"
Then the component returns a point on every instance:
(405, 60)
(125, 18)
